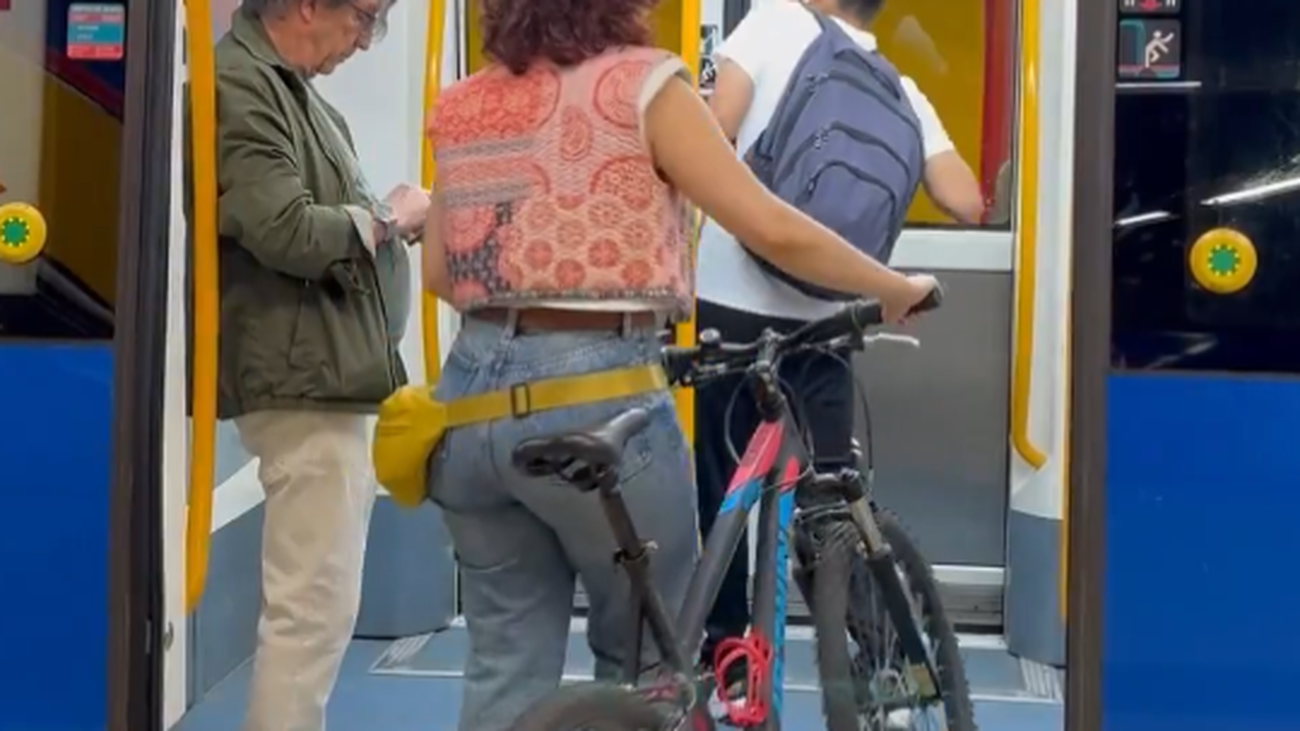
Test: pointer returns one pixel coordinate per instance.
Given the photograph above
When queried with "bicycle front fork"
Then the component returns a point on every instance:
(902, 610)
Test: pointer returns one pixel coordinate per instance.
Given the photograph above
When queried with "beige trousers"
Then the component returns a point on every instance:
(320, 489)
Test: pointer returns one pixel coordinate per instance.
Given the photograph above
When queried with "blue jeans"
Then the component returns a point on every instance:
(521, 541)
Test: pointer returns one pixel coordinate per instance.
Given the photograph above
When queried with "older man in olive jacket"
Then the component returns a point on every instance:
(315, 284)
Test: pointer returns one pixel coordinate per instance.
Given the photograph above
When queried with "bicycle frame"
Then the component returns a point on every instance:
(775, 465)
(768, 473)
(772, 465)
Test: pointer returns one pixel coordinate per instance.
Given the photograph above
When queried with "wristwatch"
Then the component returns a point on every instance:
(387, 223)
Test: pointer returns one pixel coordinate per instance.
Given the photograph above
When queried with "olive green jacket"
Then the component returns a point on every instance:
(305, 320)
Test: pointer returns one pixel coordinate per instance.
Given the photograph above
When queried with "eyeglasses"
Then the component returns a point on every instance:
(373, 22)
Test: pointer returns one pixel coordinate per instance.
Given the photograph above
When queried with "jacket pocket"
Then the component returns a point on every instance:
(340, 348)
(259, 321)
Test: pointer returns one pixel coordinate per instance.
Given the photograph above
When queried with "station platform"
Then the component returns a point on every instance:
(414, 684)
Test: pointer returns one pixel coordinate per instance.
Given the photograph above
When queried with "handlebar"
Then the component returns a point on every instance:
(713, 358)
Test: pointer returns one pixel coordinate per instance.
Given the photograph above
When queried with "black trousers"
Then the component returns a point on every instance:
(820, 389)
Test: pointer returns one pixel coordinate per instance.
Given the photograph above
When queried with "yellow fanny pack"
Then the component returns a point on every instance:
(411, 423)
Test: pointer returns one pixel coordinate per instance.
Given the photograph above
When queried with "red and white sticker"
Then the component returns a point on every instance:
(96, 31)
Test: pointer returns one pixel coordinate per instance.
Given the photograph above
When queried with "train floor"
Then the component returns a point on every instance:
(414, 685)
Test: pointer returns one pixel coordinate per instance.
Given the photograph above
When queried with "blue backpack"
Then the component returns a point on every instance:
(844, 146)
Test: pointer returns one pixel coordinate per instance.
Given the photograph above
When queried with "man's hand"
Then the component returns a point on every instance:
(410, 206)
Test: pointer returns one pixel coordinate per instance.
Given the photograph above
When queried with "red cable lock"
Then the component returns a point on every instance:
(752, 709)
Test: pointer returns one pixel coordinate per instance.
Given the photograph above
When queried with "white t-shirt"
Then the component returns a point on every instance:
(768, 44)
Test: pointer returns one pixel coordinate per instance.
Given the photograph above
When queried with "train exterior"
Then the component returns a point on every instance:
(1109, 392)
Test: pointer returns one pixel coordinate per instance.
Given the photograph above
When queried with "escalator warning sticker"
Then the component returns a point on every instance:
(1150, 49)
(96, 32)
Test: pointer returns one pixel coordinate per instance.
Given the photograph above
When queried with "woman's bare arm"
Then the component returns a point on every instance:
(690, 149)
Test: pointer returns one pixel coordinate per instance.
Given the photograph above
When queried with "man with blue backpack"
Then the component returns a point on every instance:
(828, 124)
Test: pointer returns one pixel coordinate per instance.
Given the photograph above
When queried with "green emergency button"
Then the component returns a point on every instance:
(22, 233)
(1223, 261)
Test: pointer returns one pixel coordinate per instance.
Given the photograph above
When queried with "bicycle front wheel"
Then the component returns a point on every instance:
(860, 661)
(594, 707)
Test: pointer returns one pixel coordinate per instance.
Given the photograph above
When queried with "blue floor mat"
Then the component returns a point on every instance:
(368, 698)
(993, 672)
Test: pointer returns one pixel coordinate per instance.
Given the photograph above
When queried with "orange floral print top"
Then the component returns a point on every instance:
(549, 192)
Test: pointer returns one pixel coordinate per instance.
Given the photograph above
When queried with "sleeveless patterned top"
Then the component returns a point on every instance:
(549, 192)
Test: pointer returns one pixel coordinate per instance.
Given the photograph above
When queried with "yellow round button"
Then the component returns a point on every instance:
(1223, 261)
(22, 233)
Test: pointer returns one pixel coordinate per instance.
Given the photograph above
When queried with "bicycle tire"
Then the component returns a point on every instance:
(840, 570)
(593, 707)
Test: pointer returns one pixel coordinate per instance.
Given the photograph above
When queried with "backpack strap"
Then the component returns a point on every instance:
(890, 82)
(762, 147)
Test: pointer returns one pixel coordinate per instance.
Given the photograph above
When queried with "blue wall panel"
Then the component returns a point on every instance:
(1203, 539)
(55, 471)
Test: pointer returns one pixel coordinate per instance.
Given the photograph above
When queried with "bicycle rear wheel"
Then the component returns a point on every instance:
(594, 707)
(860, 669)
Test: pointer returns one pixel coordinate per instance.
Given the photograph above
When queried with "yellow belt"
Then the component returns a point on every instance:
(411, 424)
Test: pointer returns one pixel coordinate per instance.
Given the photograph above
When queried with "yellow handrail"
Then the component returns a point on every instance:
(203, 227)
(433, 39)
(685, 332)
(1027, 154)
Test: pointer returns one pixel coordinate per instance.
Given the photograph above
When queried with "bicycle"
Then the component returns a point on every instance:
(845, 547)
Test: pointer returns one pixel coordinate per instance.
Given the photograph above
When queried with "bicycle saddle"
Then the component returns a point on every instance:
(600, 447)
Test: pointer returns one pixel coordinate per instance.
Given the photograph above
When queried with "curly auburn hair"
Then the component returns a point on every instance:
(566, 32)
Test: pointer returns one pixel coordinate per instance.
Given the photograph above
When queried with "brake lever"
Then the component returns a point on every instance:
(891, 338)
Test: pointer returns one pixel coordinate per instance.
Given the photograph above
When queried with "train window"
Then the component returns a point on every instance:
(962, 54)
(61, 77)
(1207, 187)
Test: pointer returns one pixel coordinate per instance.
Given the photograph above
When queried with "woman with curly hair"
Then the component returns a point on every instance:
(561, 233)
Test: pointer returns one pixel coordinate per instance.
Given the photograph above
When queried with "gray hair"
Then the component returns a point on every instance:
(272, 8)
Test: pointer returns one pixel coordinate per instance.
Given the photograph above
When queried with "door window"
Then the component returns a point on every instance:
(62, 80)
(1207, 187)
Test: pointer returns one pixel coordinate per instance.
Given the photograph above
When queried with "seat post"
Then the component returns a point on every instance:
(620, 520)
(633, 555)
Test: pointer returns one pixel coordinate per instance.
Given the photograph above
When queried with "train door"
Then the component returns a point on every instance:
(967, 434)
(84, 176)
(952, 396)
(1186, 388)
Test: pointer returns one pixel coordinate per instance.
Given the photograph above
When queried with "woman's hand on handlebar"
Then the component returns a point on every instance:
(897, 305)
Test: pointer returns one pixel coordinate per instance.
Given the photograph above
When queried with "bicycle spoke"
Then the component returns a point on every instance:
(890, 691)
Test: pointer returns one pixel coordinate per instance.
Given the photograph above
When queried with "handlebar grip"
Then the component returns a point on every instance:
(858, 317)
(870, 314)
(932, 301)
(854, 318)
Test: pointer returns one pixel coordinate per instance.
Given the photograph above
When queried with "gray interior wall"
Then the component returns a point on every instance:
(939, 418)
